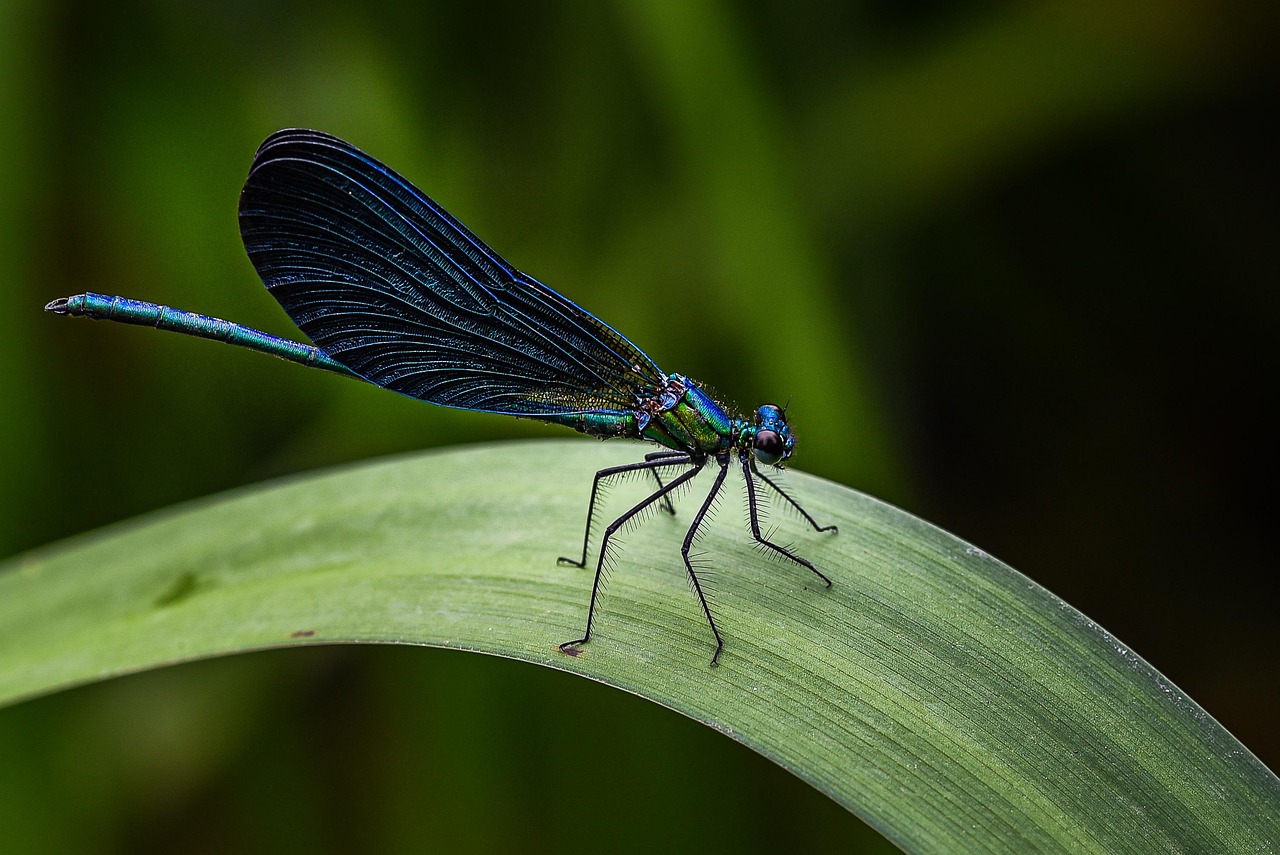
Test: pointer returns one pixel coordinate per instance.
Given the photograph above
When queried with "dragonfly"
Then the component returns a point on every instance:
(392, 290)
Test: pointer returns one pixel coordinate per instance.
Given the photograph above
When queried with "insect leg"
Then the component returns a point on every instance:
(755, 525)
(659, 455)
(675, 458)
(684, 553)
(790, 501)
(604, 545)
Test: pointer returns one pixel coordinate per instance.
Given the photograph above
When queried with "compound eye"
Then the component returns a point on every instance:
(769, 447)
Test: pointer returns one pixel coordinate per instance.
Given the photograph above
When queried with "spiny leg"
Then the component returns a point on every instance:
(684, 553)
(604, 547)
(674, 458)
(783, 493)
(753, 513)
(660, 455)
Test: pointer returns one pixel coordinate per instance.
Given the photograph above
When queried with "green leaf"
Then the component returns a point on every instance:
(946, 699)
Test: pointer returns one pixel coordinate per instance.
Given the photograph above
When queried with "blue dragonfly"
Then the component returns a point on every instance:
(394, 291)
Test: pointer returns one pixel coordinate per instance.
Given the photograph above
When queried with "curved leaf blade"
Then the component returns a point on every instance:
(943, 697)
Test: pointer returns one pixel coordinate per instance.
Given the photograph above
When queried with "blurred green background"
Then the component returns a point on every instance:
(1012, 265)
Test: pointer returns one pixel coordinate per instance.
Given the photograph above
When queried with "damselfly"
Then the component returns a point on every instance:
(394, 291)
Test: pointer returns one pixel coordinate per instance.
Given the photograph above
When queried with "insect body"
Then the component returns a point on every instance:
(394, 291)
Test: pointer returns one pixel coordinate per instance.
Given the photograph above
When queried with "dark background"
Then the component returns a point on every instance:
(1013, 265)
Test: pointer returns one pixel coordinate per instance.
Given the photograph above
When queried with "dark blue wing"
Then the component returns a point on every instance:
(387, 283)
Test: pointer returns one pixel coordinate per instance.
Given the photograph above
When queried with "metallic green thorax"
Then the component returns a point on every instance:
(685, 418)
(679, 416)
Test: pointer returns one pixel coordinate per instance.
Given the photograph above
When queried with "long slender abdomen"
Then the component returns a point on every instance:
(123, 310)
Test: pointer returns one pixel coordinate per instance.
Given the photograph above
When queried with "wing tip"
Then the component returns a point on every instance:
(292, 136)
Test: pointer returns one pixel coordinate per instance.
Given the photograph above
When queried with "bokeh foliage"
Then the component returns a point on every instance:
(1012, 261)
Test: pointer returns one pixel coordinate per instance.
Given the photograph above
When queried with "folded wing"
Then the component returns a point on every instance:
(387, 283)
